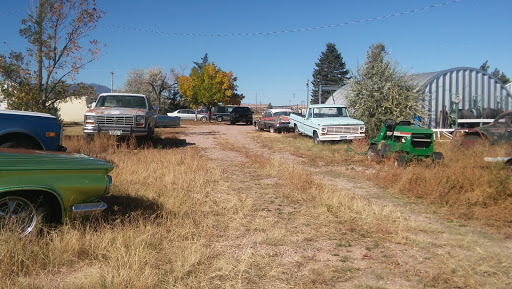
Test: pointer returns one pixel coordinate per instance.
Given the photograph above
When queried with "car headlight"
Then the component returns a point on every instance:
(139, 120)
(323, 129)
(361, 128)
(89, 120)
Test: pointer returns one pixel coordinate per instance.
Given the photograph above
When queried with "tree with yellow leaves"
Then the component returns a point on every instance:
(208, 85)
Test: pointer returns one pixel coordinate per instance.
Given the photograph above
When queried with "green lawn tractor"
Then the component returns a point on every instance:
(404, 141)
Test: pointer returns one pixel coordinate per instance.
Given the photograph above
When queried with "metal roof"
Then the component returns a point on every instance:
(476, 87)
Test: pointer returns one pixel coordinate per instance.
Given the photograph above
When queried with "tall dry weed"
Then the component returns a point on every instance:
(464, 181)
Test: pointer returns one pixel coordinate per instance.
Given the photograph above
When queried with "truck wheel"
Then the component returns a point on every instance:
(271, 129)
(21, 143)
(400, 161)
(373, 154)
(20, 215)
(316, 139)
(219, 118)
(296, 129)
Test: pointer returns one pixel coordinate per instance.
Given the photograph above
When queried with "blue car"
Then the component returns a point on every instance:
(30, 130)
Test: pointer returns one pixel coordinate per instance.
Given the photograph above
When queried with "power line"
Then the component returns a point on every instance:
(289, 30)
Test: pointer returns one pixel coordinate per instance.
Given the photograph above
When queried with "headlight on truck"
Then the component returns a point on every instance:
(361, 128)
(323, 129)
(139, 120)
(89, 120)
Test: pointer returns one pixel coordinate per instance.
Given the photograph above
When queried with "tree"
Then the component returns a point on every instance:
(496, 73)
(207, 86)
(330, 70)
(56, 31)
(153, 82)
(380, 90)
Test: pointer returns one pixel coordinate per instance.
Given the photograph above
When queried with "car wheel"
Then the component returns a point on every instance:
(316, 139)
(373, 154)
(21, 143)
(400, 161)
(271, 129)
(204, 119)
(20, 215)
(219, 118)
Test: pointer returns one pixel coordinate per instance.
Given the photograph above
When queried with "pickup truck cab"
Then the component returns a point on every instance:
(328, 122)
(121, 114)
(30, 130)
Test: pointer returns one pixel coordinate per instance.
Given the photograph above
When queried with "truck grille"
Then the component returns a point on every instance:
(115, 120)
(342, 129)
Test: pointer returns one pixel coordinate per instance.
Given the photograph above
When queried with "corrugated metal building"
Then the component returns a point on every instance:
(476, 87)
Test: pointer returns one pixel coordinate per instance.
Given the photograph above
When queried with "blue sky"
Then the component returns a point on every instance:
(274, 67)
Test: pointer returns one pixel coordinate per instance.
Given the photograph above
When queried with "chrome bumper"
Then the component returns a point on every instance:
(81, 210)
(340, 137)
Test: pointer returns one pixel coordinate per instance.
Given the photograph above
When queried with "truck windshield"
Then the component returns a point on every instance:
(128, 101)
(323, 112)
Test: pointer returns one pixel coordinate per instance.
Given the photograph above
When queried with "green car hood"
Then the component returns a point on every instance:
(31, 160)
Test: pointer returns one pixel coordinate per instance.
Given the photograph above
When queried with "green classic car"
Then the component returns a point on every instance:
(38, 187)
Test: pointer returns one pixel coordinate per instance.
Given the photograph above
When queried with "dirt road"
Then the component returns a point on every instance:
(307, 246)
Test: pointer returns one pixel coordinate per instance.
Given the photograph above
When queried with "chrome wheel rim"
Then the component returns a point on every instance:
(17, 214)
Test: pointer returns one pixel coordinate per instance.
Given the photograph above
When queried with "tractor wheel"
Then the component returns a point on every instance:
(400, 161)
(437, 157)
(373, 153)
(385, 150)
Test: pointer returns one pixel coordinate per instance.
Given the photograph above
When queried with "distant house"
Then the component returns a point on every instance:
(73, 110)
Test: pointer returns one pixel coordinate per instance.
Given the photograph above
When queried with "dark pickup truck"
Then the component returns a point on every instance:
(30, 130)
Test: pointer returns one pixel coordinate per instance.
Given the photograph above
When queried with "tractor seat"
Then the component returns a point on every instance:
(389, 124)
(404, 123)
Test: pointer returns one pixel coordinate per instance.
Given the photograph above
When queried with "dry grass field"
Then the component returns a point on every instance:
(219, 206)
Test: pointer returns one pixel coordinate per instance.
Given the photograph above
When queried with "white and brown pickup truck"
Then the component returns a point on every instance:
(121, 114)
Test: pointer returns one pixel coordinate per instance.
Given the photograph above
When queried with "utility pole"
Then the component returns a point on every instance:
(111, 81)
(307, 93)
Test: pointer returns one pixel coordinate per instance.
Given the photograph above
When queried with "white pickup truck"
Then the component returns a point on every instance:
(328, 122)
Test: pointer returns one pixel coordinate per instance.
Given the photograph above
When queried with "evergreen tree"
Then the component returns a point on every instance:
(496, 73)
(330, 70)
(380, 91)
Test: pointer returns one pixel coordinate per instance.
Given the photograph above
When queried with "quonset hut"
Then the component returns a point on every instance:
(478, 91)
